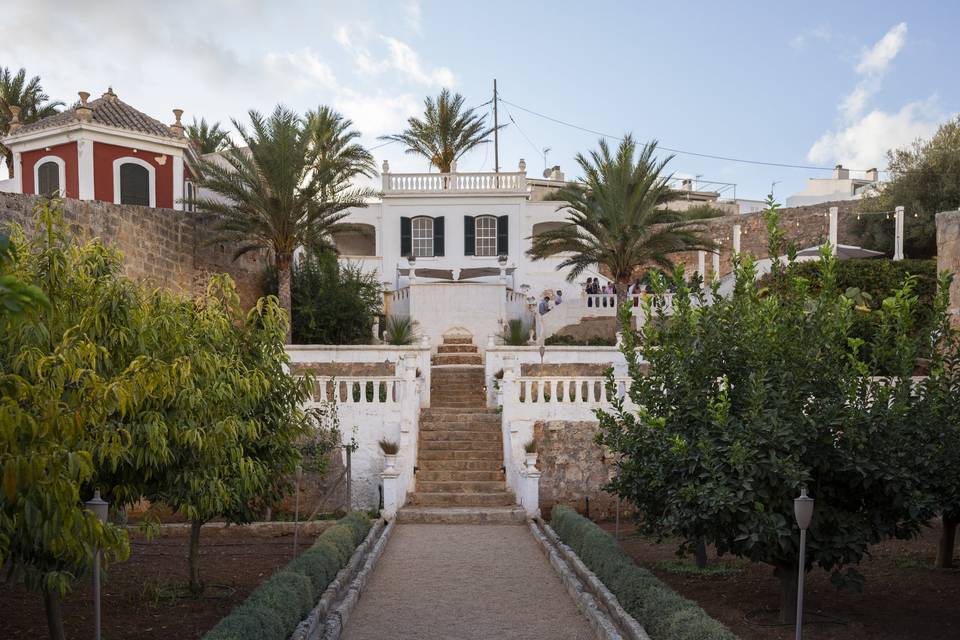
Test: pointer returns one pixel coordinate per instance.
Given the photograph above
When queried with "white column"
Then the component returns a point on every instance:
(17, 170)
(716, 262)
(898, 234)
(702, 266)
(85, 169)
(178, 183)
(736, 238)
(391, 493)
(834, 218)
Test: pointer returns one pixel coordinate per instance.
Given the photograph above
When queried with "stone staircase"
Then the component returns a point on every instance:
(459, 477)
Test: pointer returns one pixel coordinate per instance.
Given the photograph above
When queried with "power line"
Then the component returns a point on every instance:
(678, 151)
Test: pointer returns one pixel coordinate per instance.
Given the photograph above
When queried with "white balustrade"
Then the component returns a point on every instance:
(357, 390)
(575, 390)
(415, 183)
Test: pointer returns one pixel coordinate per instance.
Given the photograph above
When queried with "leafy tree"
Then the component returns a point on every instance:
(925, 179)
(271, 193)
(333, 303)
(445, 132)
(207, 138)
(617, 217)
(17, 91)
(340, 158)
(759, 394)
(16, 297)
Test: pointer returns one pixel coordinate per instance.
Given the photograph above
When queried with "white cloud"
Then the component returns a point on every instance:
(303, 69)
(376, 114)
(864, 135)
(816, 34)
(399, 57)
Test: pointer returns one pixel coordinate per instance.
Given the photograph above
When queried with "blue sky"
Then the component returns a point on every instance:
(800, 83)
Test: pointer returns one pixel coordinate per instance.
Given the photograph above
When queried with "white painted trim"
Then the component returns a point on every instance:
(62, 178)
(143, 163)
(87, 128)
(85, 169)
(18, 171)
(178, 185)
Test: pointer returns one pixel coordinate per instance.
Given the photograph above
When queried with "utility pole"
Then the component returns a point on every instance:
(496, 132)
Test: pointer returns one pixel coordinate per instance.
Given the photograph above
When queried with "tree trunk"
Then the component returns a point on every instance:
(286, 302)
(193, 559)
(947, 538)
(700, 553)
(51, 602)
(788, 593)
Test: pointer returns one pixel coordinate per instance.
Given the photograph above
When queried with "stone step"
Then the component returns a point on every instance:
(514, 515)
(432, 436)
(459, 475)
(457, 385)
(492, 444)
(442, 465)
(492, 499)
(458, 341)
(461, 454)
(471, 425)
(456, 358)
(447, 413)
(461, 486)
(457, 348)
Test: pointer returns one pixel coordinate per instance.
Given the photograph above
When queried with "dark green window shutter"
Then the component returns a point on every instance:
(469, 235)
(503, 235)
(438, 236)
(406, 246)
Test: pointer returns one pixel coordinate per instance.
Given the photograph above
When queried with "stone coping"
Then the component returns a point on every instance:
(256, 529)
(355, 347)
(556, 348)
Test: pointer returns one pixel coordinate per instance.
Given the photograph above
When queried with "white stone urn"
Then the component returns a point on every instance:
(389, 463)
(530, 460)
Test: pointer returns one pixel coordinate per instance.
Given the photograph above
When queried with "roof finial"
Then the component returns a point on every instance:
(84, 112)
(109, 95)
(177, 127)
(14, 118)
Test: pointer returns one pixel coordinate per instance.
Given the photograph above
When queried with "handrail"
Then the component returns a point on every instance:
(567, 389)
(357, 389)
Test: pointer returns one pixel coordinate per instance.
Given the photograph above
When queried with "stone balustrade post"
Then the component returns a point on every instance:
(834, 220)
(391, 493)
(529, 491)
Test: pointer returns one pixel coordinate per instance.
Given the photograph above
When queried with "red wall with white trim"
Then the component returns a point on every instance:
(67, 152)
(103, 157)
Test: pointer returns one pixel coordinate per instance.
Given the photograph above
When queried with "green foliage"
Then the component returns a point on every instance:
(340, 159)
(663, 613)
(400, 330)
(333, 303)
(16, 297)
(446, 131)
(207, 138)
(569, 341)
(16, 90)
(273, 611)
(925, 179)
(617, 217)
(516, 333)
(763, 392)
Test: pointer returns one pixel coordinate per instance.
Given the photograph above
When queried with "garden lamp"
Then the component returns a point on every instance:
(803, 512)
(100, 508)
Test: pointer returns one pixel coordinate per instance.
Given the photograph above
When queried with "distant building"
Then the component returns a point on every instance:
(840, 186)
(102, 149)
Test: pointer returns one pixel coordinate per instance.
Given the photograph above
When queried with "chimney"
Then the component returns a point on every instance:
(84, 113)
(556, 174)
(873, 175)
(687, 184)
(177, 127)
(14, 118)
(839, 173)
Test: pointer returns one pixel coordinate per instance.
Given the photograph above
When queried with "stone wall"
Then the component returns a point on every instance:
(574, 468)
(162, 247)
(948, 254)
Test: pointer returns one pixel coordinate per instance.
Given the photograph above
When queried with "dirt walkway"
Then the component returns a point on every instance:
(461, 582)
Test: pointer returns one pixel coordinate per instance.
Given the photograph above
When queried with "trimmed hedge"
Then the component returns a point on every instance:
(662, 611)
(278, 605)
(569, 341)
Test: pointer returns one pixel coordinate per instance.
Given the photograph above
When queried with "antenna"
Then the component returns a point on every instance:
(774, 184)
(546, 150)
(496, 132)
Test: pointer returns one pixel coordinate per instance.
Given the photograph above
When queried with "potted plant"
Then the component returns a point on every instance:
(530, 457)
(390, 449)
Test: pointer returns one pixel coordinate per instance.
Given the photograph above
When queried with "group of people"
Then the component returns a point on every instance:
(544, 306)
(593, 287)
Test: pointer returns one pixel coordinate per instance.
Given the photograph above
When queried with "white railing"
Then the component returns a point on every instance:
(358, 390)
(566, 390)
(417, 183)
(399, 302)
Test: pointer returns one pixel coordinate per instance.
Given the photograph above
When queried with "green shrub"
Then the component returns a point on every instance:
(569, 341)
(516, 333)
(663, 612)
(275, 608)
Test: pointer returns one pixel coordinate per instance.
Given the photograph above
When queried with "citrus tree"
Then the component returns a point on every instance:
(763, 392)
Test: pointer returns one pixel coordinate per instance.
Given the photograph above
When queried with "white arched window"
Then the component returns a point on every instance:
(421, 230)
(49, 176)
(486, 236)
(134, 182)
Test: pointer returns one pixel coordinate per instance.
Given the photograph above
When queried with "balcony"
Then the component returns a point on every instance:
(471, 183)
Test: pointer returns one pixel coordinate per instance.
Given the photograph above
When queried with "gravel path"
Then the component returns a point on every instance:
(461, 582)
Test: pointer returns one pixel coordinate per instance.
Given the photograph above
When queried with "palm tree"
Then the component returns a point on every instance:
(446, 132)
(340, 159)
(207, 138)
(617, 217)
(17, 91)
(271, 194)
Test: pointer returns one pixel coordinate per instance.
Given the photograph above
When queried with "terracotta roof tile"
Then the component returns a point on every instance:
(107, 110)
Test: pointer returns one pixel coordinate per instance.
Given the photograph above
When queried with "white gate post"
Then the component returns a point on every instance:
(716, 261)
(736, 238)
(834, 220)
(702, 266)
(898, 234)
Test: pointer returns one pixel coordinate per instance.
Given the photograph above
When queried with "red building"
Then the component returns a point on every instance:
(102, 149)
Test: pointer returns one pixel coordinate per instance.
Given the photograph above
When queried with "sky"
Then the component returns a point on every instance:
(811, 84)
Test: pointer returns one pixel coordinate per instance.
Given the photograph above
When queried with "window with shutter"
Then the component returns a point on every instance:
(48, 179)
(134, 184)
(503, 235)
(486, 232)
(422, 237)
(469, 235)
